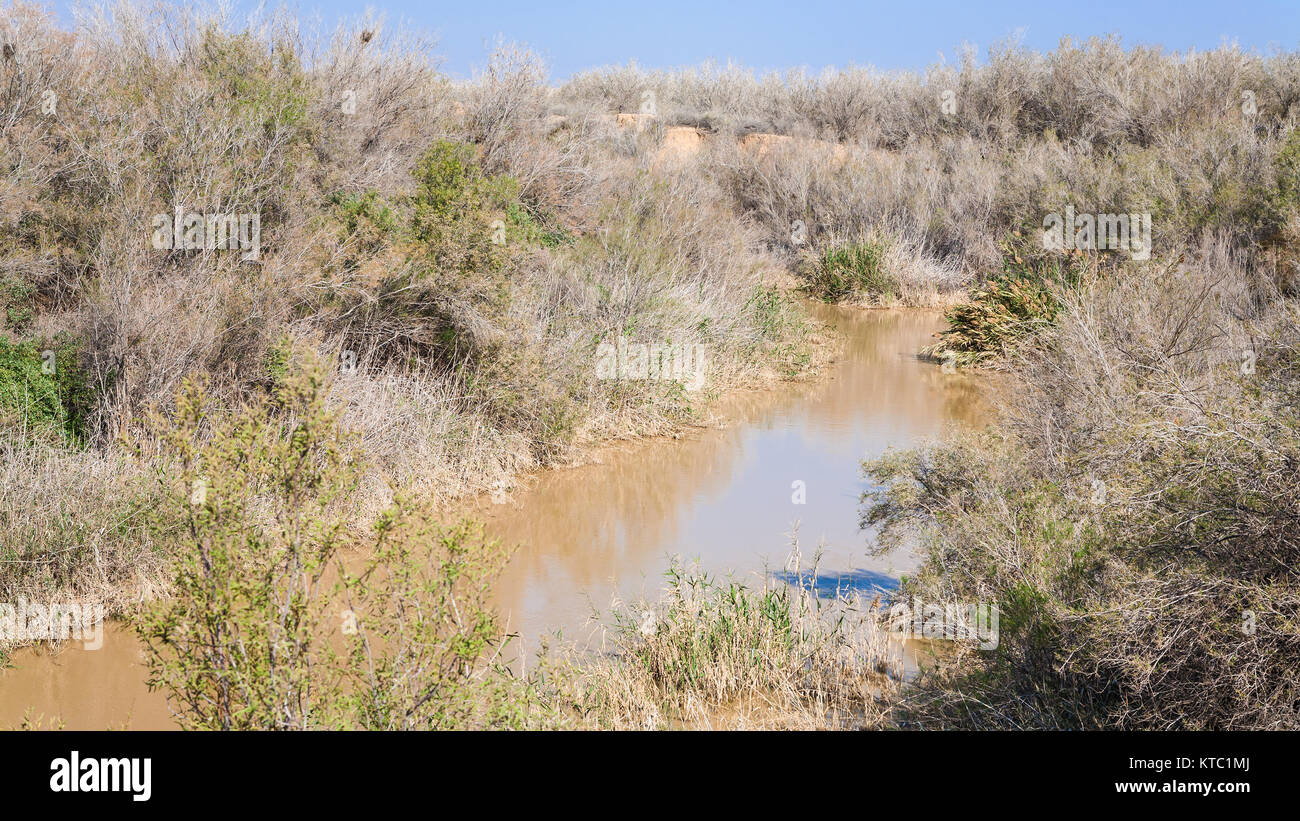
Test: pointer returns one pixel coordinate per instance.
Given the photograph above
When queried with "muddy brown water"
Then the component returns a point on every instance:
(603, 535)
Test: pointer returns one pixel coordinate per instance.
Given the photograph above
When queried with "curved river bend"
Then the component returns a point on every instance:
(723, 496)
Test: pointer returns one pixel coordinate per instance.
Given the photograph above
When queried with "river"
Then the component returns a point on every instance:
(725, 497)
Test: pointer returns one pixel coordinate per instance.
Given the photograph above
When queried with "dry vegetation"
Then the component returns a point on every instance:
(455, 258)
(455, 252)
(863, 156)
(1134, 510)
(1135, 515)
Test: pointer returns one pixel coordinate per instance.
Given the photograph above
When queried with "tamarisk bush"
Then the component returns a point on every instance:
(267, 626)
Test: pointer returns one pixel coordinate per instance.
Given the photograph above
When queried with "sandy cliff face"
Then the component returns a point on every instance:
(680, 142)
(683, 141)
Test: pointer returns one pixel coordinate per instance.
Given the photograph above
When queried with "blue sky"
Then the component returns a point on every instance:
(763, 35)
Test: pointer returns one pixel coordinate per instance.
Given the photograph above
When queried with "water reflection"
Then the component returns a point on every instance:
(841, 583)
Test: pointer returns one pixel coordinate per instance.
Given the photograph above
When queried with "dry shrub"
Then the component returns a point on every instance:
(1094, 124)
(1134, 515)
(74, 528)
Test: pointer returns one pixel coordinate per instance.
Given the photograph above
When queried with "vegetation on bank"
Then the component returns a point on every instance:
(849, 270)
(457, 262)
(43, 392)
(456, 255)
(715, 654)
(279, 616)
(1133, 515)
(1011, 306)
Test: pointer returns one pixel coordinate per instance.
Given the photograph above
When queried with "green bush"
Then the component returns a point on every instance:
(16, 302)
(525, 226)
(268, 628)
(451, 187)
(848, 271)
(270, 88)
(277, 361)
(43, 389)
(367, 217)
(1287, 165)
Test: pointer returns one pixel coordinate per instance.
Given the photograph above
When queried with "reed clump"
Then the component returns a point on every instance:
(714, 653)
